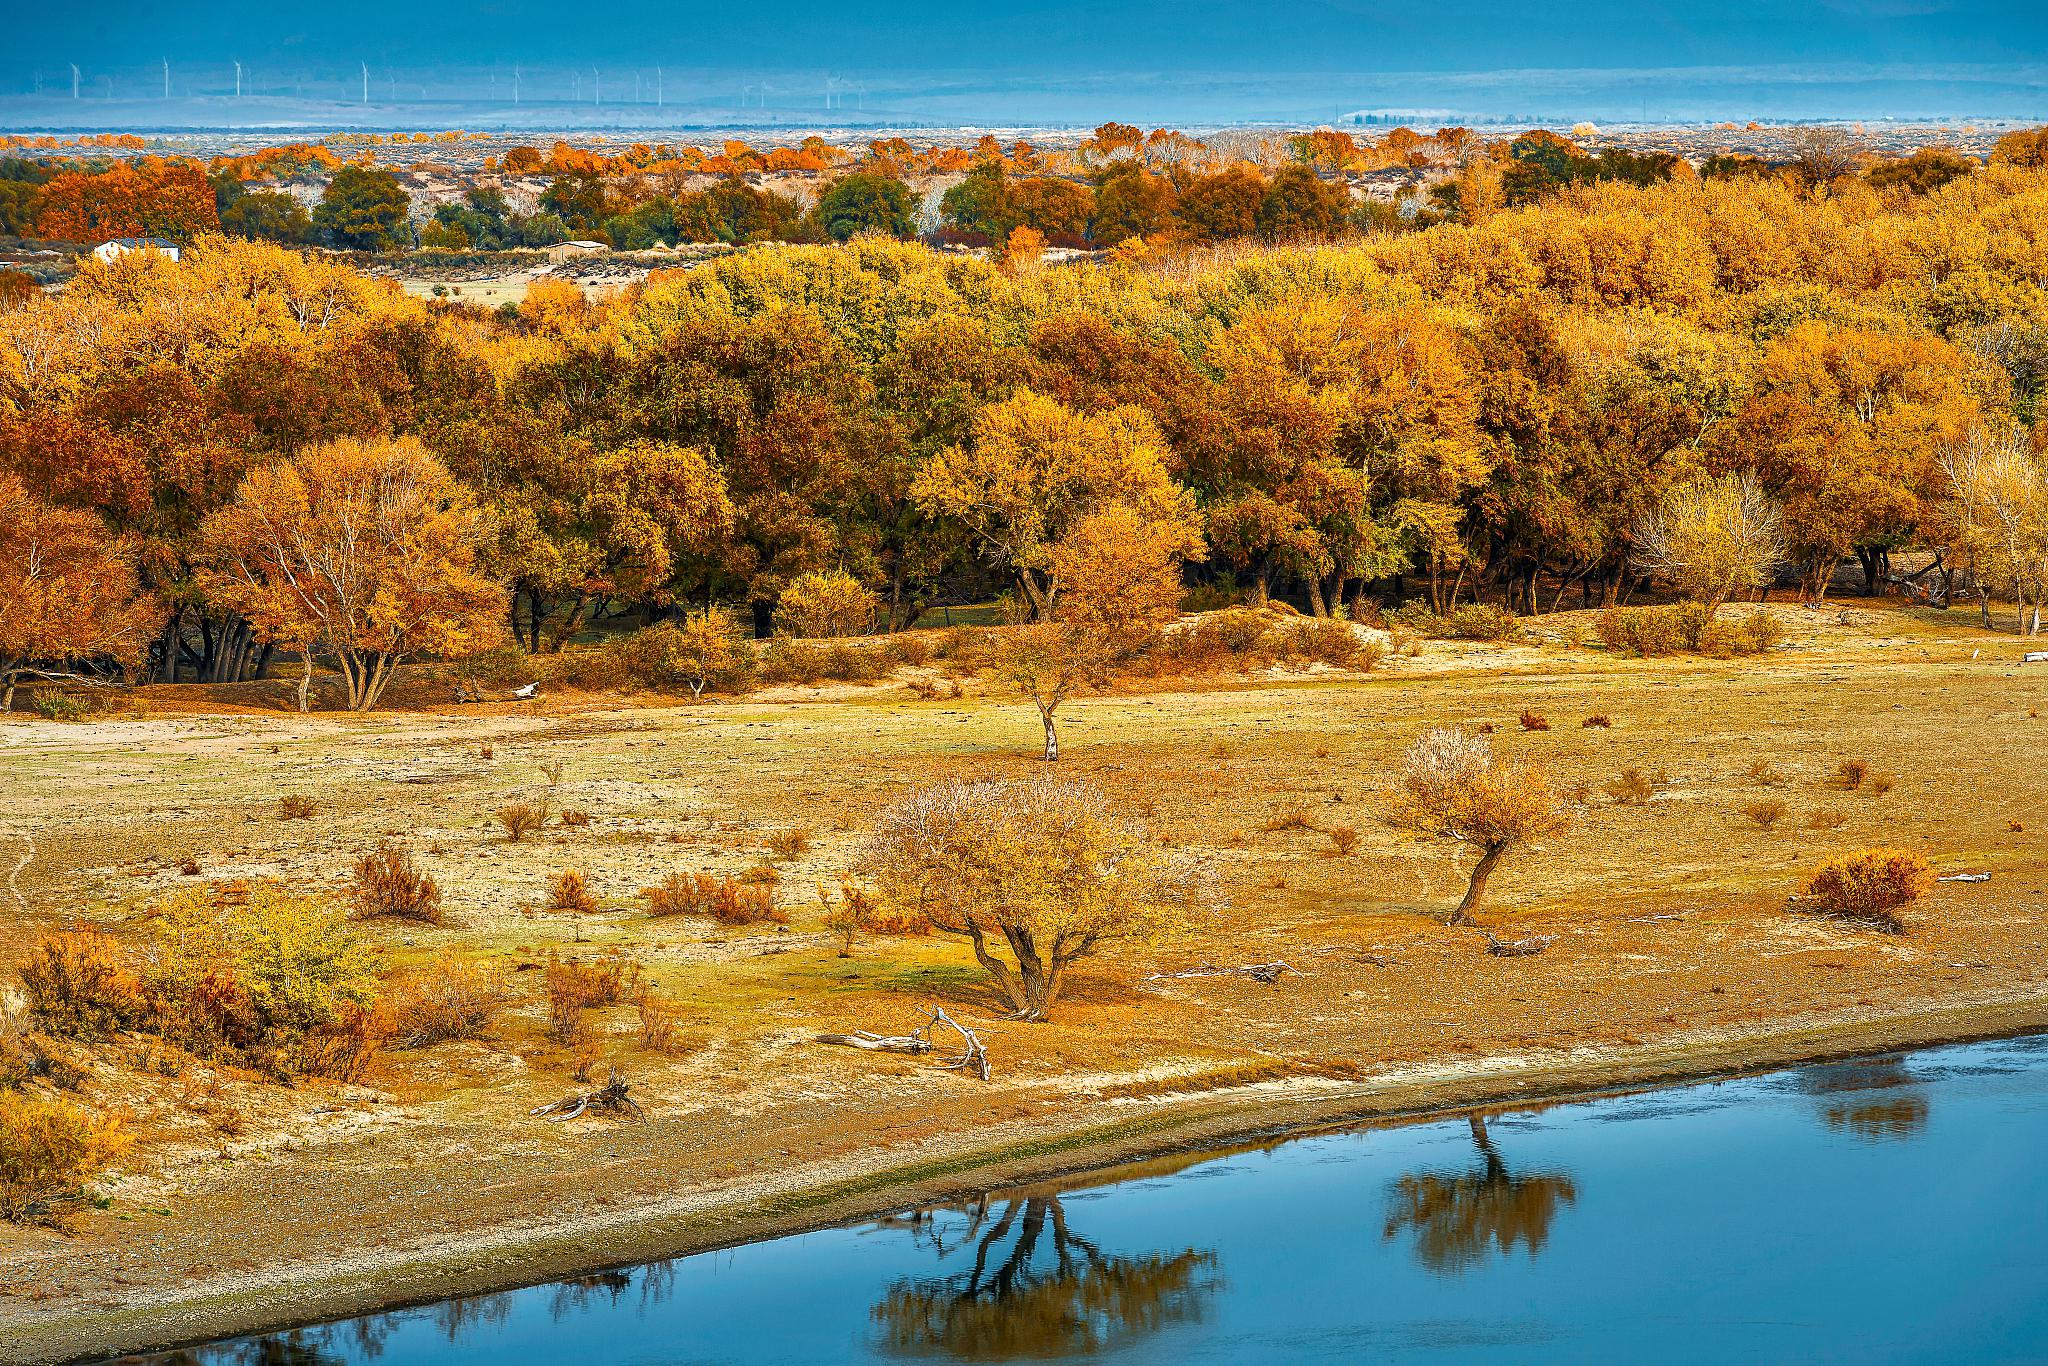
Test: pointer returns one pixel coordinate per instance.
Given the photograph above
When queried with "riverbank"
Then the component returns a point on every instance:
(224, 1303)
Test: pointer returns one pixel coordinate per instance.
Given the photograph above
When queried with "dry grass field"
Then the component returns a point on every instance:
(1674, 949)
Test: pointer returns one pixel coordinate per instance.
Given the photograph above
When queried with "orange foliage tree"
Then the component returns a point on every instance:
(366, 548)
(150, 197)
(68, 592)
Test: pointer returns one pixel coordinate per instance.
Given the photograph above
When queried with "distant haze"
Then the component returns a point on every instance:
(641, 63)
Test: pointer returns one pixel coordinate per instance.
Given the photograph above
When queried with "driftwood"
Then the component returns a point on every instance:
(1257, 972)
(1965, 877)
(522, 694)
(1518, 948)
(971, 1054)
(610, 1097)
(2035, 657)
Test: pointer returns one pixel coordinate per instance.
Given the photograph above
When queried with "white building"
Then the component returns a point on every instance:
(121, 246)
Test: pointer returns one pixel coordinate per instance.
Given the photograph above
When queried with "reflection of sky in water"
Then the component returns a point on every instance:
(1882, 1209)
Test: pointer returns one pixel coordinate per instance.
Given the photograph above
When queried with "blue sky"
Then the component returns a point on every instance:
(1054, 38)
(999, 59)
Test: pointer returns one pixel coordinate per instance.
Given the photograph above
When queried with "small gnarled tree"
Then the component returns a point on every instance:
(1039, 866)
(1451, 787)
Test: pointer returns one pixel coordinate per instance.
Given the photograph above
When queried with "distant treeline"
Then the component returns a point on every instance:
(1119, 185)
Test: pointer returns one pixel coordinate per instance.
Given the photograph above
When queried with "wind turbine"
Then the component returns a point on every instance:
(238, 80)
(74, 80)
(366, 83)
(167, 78)
(515, 85)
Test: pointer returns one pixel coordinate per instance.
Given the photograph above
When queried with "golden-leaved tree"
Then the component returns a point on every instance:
(1040, 866)
(1035, 469)
(365, 548)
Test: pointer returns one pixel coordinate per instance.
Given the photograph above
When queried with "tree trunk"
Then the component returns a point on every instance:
(1052, 737)
(995, 967)
(1477, 889)
(306, 680)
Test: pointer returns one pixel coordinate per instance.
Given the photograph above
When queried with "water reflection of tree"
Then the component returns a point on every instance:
(1456, 1219)
(1870, 1098)
(1026, 1295)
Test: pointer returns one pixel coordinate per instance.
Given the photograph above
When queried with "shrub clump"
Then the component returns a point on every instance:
(829, 604)
(271, 980)
(387, 882)
(1686, 626)
(1631, 787)
(567, 891)
(253, 975)
(1868, 885)
(48, 1149)
(574, 987)
(521, 819)
(1468, 621)
(791, 843)
(730, 901)
(80, 986)
(1764, 811)
(449, 999)
(295, 807)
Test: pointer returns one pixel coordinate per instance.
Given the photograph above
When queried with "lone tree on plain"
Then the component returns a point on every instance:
(1713, 538)
(1040, 866)
(1117, 580)
(367, 547)
(1452, 788)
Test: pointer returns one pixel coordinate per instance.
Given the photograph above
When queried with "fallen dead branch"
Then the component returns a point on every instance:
(880, 1043)
(1518, 948)
(1257, 972)
(971, 1054)
(610, 1098)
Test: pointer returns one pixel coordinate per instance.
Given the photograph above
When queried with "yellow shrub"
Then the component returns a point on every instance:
(831, 604)
(1869, 884)
(48, 1148)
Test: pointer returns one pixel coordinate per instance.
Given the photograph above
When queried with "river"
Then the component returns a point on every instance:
(1878, 1210)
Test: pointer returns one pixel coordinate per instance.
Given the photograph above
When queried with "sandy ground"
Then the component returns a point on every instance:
(252, 1206)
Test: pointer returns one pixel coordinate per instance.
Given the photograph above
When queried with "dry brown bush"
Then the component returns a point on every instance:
(1599, 720)
(1824, 818)
(1877, 784)
(1765, 772)
(574, 819)
(1765, 811)
(1631, 787)
(448, 999)
(521, 819)
(574, 987)
(79, 986)
(294, 807)
(567, 891)
(1868, 884)
(1533, 721)
(1294, 816)
(387, 882)
(1343, 840)
(792, 843)
(727, 900)
(660, 1023)
(1851, 773)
